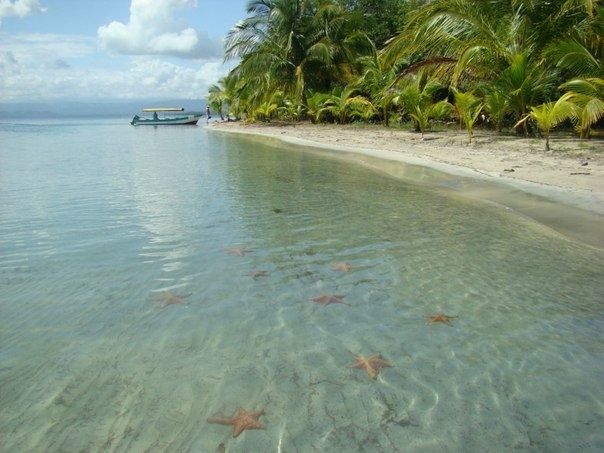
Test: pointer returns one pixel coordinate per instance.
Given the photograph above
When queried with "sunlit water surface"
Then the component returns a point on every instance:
(98, 219)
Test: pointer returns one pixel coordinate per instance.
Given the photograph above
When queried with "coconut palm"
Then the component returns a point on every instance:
(343, 105)
(499, 41)
(495, 104)
(582, 54)
(524, 84)
(418, 100)
(588, 97)
(467, 108)
(218, 96)
(377, 80)
(314, 104)
(293, 46)
(550, 114)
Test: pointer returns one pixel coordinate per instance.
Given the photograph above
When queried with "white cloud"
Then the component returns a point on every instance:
(55, 67)
(19, 8)
(153, 29)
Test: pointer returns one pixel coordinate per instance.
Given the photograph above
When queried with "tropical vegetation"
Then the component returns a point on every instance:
(519, 65)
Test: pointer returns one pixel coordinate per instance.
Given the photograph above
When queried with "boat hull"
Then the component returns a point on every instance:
(181, 120)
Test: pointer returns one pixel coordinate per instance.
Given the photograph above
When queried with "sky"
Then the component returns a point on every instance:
(112, 50)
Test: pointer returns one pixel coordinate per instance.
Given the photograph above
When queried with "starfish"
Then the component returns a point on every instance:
(341, 267)
(256, 274)
(167, 298)
(441, 317)
(241, 420)
(372, 365)
(239, 251)
(326, 299)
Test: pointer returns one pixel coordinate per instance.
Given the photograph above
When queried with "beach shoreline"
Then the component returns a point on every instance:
(571, 174)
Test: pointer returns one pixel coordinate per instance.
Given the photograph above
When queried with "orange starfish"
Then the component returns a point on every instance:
(167, 298)
(441, 317)
(372, 365)
(341, 267)
(239, 251)
(256, 274)
(326, 299)
(241, 420)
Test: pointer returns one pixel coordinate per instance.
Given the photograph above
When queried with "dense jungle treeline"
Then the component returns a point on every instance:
(522, 64)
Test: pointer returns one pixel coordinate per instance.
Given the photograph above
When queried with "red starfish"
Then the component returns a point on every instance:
(239, 251)
(167, 298)
(326, 299)
(241, 420)
(441, 317)
(372, 365)
(341, 267)
(256, 274)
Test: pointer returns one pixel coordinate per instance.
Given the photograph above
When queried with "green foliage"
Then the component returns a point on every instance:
(418, 100)
(588, 97)
(381, 19)
(344, 105)
(550, 114)
(402, 59)
(467, 108)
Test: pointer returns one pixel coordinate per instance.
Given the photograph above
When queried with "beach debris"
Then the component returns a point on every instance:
(239, 251)
(580, 173)
(326, 299)
(371, 365)
(167, 298)
(241, 421)
(440, 317)
(509, 170)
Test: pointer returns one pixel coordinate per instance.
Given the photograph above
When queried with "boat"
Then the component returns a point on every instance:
(172, 119)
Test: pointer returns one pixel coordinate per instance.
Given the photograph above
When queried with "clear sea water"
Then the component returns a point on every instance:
(98, 219)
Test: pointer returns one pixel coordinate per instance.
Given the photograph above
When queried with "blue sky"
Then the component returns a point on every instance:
(53, 50)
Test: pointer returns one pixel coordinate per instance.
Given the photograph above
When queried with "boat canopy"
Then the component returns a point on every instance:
(164, 109)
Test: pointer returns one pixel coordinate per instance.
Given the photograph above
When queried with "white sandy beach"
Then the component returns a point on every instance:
(572, 172)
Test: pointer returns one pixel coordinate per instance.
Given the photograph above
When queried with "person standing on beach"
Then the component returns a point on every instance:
(208, 116)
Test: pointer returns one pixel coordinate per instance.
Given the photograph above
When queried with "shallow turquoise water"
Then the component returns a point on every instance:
(98, 219)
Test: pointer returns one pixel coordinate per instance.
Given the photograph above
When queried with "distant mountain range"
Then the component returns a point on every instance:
(70, 109)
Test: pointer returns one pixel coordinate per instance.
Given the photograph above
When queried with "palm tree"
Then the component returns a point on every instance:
(524, 84)
(550, 114)
(588, 97)
(498, 42)
(467, 107)
(377, 80)
(495, 104)
(343, 104)
(293, 46)
(218, 96)
(582, 54)
(314, 104)
(418, 100)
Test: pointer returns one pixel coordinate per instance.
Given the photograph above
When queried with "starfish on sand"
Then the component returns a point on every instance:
(326, 299)
(167, 298)
(441, 317)
(341, 267)
(257, 274)
(372, 365)
(239, 251)
(241, 420)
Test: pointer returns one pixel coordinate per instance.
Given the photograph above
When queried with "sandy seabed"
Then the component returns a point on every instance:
(570, 175)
